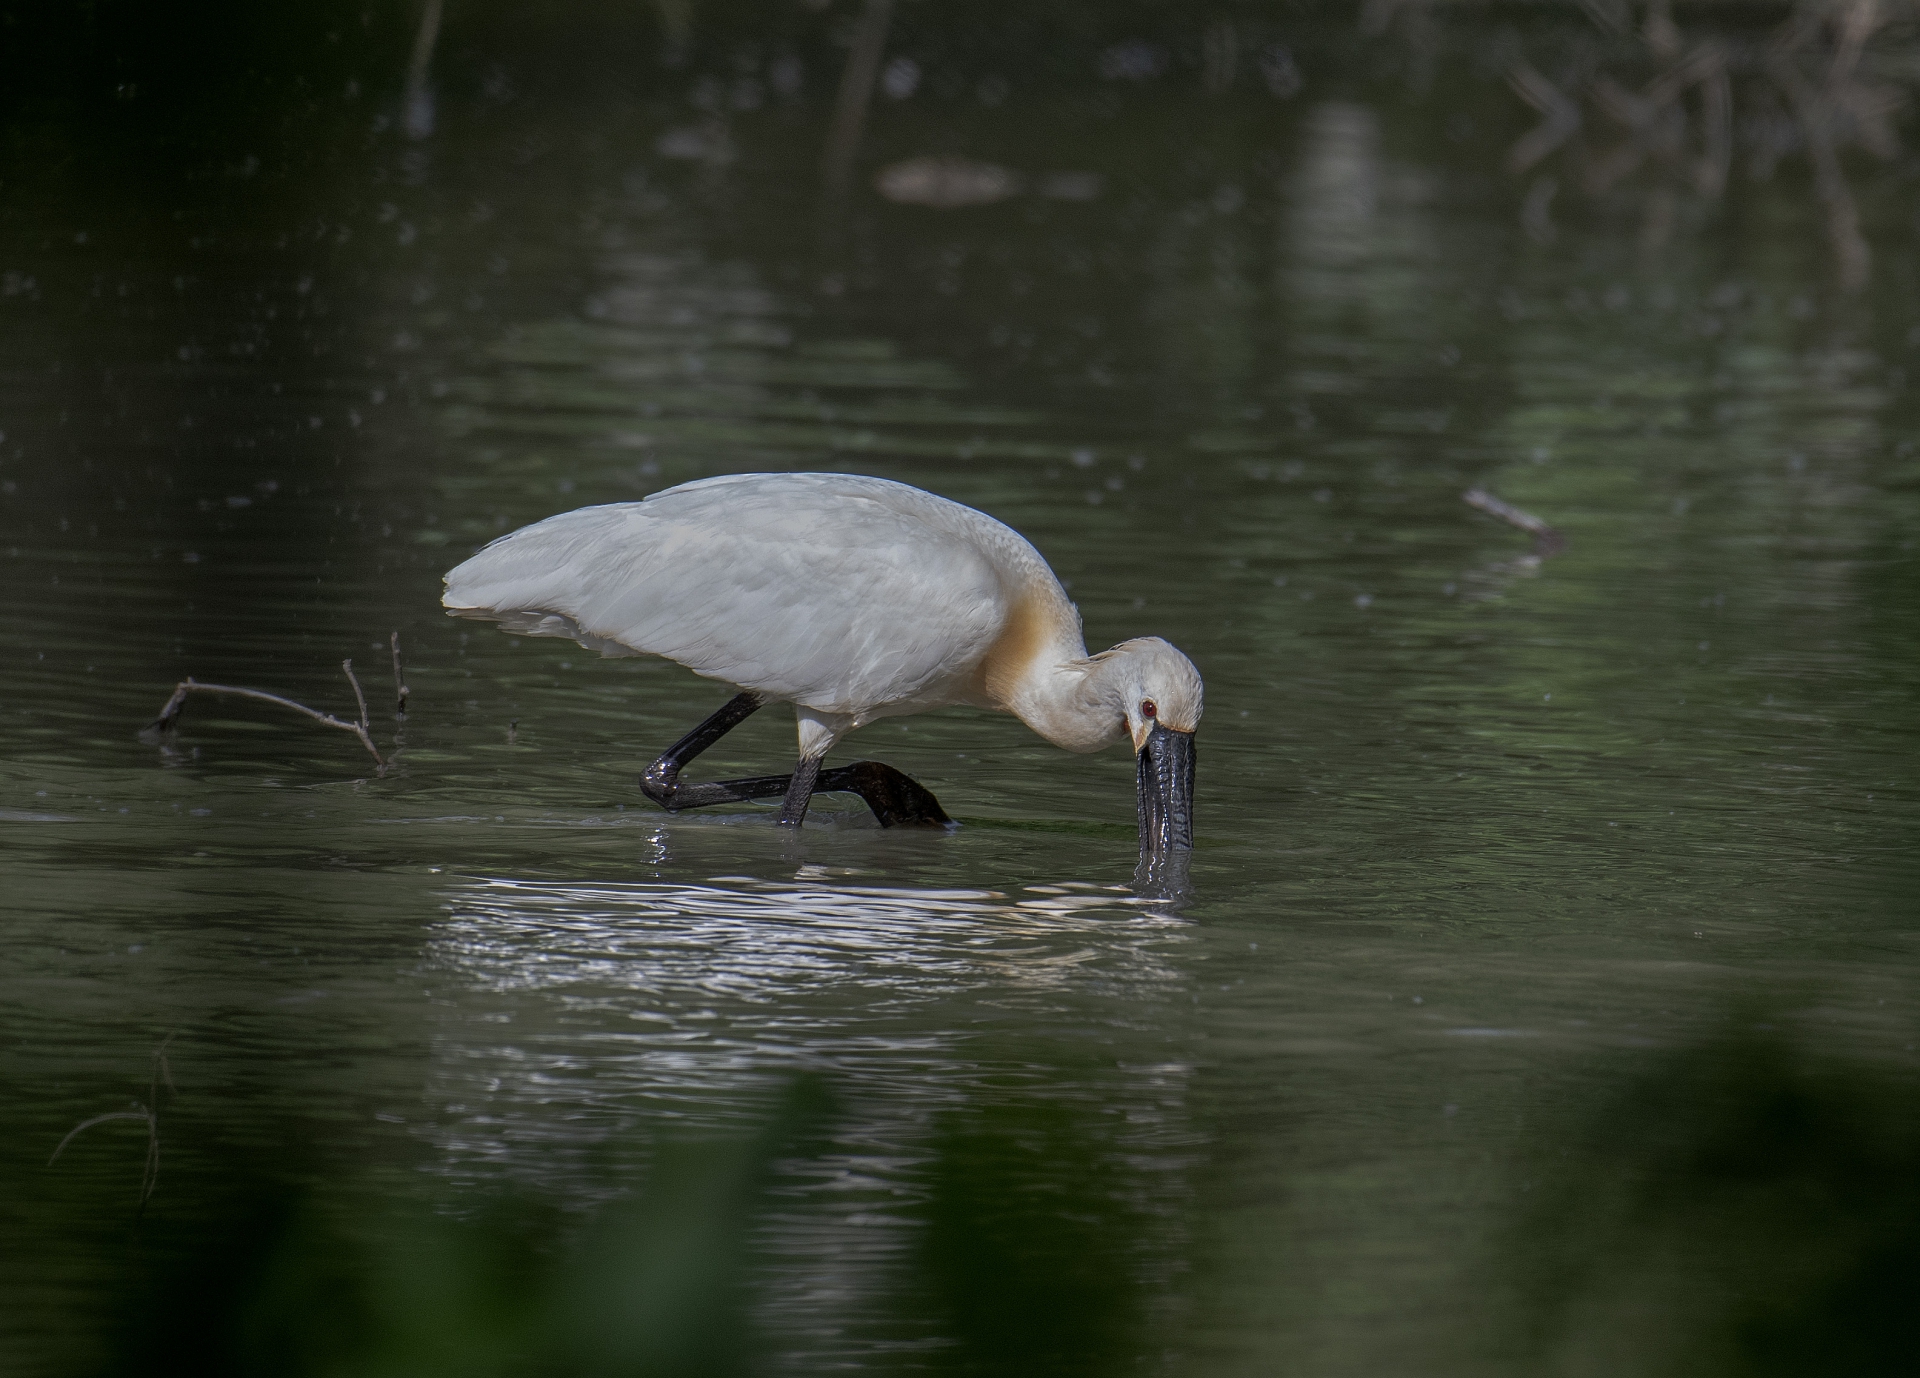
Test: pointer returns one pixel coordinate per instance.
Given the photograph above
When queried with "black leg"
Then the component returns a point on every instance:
(661, 782)
(800, 784)
(894, 798)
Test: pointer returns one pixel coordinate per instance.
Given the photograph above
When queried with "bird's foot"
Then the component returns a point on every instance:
(674, 796)
(897, 800)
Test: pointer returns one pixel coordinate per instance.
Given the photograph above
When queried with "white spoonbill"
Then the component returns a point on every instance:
(853, 599)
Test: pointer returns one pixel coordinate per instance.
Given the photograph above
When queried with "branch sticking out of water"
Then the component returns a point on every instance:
(399, 679)
(366, 722)
(170, 715)
(1546, 540)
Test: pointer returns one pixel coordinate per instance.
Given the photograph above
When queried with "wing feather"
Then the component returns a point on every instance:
(839, 593)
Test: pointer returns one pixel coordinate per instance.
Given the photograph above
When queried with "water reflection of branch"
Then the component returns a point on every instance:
(1547, 542)
(149, 1112)
(1840, 105)
(1695, 151)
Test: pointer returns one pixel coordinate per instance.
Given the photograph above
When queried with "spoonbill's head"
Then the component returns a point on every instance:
(1162, 699)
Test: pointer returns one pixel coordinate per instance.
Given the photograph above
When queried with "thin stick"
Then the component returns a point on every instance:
(365, 721)
(1546, 540)
(171, 713)
(399, 679)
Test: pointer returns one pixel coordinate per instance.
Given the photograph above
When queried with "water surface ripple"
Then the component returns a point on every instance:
(1486, 840)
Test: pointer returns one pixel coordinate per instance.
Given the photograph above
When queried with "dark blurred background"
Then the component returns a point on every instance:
(298, 303)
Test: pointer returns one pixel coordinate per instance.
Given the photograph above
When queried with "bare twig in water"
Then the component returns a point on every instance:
(1546, 540)
(856, 91)
(170, 715)
(346, 668)
(399, 679)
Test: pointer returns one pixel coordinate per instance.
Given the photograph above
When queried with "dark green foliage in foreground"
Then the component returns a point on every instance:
(1736, 1212)
(289, 1290)
(270, 1283)
(1032, 1280)
(1021, 1273)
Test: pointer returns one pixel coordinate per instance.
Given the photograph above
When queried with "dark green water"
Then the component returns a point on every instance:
(1486, 842)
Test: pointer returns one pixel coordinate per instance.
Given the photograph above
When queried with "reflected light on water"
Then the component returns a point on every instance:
(579, 1012)
(698, 994)
(1480, 835)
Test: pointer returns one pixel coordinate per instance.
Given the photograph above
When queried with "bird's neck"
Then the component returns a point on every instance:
(1072, 699)
(1039, 671)
(1074, 705)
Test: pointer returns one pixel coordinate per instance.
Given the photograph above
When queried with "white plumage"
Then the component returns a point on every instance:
(853, 598)
(836, 592)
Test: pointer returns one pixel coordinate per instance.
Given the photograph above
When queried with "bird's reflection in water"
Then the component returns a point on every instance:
(581, 1017)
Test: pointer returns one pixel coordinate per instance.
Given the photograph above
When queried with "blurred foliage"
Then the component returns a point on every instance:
(1735, 1210)
(1026, 1234)
(260, 1276)
(1671, 98)
(1739, 1209)
(1032, 1274)
(267, 1279)
(1647, 109)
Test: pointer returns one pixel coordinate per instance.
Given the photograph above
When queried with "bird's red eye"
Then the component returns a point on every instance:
(1148, 708)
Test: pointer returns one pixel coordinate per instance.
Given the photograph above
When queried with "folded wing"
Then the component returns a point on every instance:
(839, 593)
